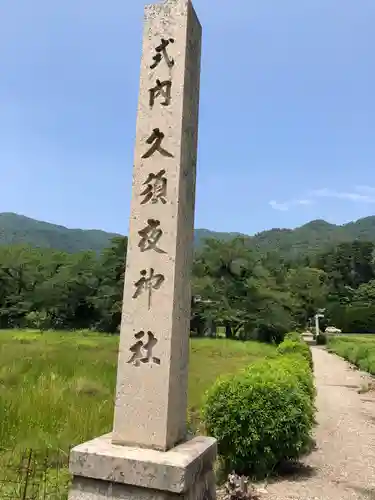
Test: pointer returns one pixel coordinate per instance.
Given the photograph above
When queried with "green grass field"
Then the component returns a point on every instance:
(357, 349)
(57, 389)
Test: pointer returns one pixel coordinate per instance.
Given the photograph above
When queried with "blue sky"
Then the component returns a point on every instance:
(289, 85)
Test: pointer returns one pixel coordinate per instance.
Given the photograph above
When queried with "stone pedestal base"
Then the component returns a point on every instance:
(103, 471)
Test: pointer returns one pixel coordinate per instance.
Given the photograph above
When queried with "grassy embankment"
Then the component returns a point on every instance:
(357, 349)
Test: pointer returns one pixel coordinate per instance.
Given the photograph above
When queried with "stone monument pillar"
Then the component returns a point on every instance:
(149, 455)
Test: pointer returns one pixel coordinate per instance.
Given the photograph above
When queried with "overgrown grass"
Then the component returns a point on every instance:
(57, 389)
(210, 358)
(357, 349)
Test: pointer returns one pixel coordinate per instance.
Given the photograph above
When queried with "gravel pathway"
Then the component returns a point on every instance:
(343, 464)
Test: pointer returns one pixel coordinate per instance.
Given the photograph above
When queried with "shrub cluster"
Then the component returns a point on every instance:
(296, 347)
(293, 336)
(359, 352)
(321, 339)
(265, 414)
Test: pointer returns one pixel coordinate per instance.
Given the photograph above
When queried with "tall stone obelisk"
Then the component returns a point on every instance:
(148, 454)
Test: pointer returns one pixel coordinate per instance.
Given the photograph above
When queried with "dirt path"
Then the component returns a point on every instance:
(343, 465)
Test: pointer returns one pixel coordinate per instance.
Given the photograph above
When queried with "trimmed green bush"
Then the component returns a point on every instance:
(297, 366)
(294, 364)
(321, 339)
(296, 347)
(263, 415)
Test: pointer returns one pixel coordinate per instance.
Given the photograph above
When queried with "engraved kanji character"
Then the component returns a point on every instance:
(161, 51)
(156, 188)
(156, 138)
(150, 236)
(148, 283)
(162, 89)
(142, 353)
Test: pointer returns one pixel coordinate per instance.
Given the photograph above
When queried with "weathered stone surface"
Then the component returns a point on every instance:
(92, 489)
(151, 398)
(175, 471)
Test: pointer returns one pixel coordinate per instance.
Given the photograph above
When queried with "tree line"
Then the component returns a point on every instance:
(248, 293)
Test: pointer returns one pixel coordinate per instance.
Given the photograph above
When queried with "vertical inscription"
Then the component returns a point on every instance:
(155, 191)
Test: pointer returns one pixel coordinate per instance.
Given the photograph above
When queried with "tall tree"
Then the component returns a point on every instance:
(308, 287)
(111, 272)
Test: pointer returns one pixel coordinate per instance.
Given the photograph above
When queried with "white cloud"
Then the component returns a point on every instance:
(366, 189)
(354, 196)
(285, 206)
(303, 202)
(360, 194)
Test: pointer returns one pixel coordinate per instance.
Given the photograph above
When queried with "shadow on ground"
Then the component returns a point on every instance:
(295, 471)
(348, 386)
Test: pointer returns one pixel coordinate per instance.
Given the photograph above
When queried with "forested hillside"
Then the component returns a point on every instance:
(249, 293)
(258, 286)
(308, 239)
(15, 229)
(315, 236)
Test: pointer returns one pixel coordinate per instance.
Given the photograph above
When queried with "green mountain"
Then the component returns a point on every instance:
(314, 236)
(309, 238)
(16, 228)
